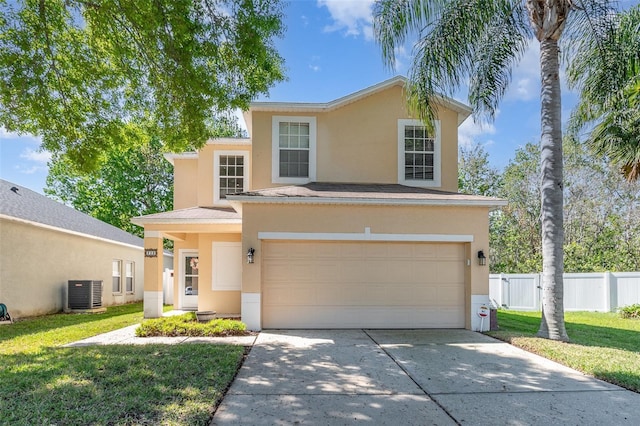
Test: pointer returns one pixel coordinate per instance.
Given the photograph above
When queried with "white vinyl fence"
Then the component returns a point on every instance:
(604, 292)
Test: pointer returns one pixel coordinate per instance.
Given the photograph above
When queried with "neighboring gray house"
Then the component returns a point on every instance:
(44, 244)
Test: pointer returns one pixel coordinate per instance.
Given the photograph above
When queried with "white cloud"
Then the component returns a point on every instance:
(402, 59)
(525, 84)
(5, 135)
(352, 17)
(31, 170)
(313, 63)
(470, 131)
(42, 157)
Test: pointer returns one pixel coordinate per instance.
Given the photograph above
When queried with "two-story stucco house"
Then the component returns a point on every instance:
(332, 215)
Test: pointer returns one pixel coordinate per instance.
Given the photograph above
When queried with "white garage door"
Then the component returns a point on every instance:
(370, 285)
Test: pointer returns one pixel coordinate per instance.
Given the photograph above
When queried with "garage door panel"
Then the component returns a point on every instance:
(358, 317)
(346, 285)
(447, 272)
(450, 251)
(425, 251)
(349, 250)
(449, 295)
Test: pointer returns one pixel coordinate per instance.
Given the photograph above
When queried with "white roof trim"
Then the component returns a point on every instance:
(67, 231)
(230, 141)
(171, 156)
(365, 236)
(236, 199)
(170, 221)
(463, 110)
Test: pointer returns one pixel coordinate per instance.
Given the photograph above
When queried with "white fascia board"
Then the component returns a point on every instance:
(153, 234)
(366, 236)
(230, 141)
(324, 106)
(136, 221)
(363, 201)
(463, 110)
(171, 157)
(67, 231)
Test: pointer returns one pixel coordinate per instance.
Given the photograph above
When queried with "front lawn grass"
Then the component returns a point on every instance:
(32, 334)
(603, 345)
(43, 383)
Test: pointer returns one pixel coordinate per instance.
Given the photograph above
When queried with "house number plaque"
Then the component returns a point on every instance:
(150, 252)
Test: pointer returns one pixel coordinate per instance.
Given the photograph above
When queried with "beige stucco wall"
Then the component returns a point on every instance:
(380, 219)
(185, 175)
(37, 264)
(193, 181)
(223, 302)
(358, 142)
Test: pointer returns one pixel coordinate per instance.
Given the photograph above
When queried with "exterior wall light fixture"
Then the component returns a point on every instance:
(250, 255)
(482, 259)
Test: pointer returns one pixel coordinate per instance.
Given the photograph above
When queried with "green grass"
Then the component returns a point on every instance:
(43, 383)
(603, 345)
(32, 334)
(187, 325)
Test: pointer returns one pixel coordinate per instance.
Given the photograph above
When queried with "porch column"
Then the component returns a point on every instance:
(153, 268)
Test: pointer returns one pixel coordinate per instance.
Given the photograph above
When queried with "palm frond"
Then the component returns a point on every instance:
(606, 70)
(459, 41)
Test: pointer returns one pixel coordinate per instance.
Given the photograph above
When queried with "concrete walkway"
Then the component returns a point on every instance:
(127, 336)
(413, 377)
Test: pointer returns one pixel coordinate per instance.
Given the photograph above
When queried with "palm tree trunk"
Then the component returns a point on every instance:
(552, 324)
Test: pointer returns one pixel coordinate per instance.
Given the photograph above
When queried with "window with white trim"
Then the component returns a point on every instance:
(231, 174)
(418, 154)
(294, 149)
(129, 268)
(116, 277)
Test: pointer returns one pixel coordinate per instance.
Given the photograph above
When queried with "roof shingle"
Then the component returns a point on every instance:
(25, 204)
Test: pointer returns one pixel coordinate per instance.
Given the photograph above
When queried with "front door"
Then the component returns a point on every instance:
(189, 280)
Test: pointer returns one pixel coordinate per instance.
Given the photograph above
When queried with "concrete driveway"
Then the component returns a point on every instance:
(415, 377)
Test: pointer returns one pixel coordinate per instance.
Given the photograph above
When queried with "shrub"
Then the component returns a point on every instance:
(188, 325)
(631, 311)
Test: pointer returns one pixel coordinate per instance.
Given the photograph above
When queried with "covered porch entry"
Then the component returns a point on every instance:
(207, 259)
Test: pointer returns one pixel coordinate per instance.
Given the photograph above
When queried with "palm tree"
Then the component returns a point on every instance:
(608, 73)
(482, 40)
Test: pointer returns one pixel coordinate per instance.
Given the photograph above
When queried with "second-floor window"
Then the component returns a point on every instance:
(418, 154)
(231, 174)
(294, 140)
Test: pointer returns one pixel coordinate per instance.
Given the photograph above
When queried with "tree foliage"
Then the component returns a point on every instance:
(93, 76)
(608, 76)
(475, 174)
(133, 181)
(601, 214)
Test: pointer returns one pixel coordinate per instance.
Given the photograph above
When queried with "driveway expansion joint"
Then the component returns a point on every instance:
(427, 394)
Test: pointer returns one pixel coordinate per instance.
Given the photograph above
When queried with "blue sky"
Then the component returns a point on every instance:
(330, 52)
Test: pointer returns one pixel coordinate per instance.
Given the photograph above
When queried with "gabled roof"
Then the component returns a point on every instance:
(191, 155)
(463, 110)
(361, 194)
(24, 205)
(210, 215)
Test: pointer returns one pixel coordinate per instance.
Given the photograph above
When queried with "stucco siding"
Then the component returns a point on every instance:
(37, 264)
(224, 302)
(358, 142)
(185, 192)
(380, 220)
